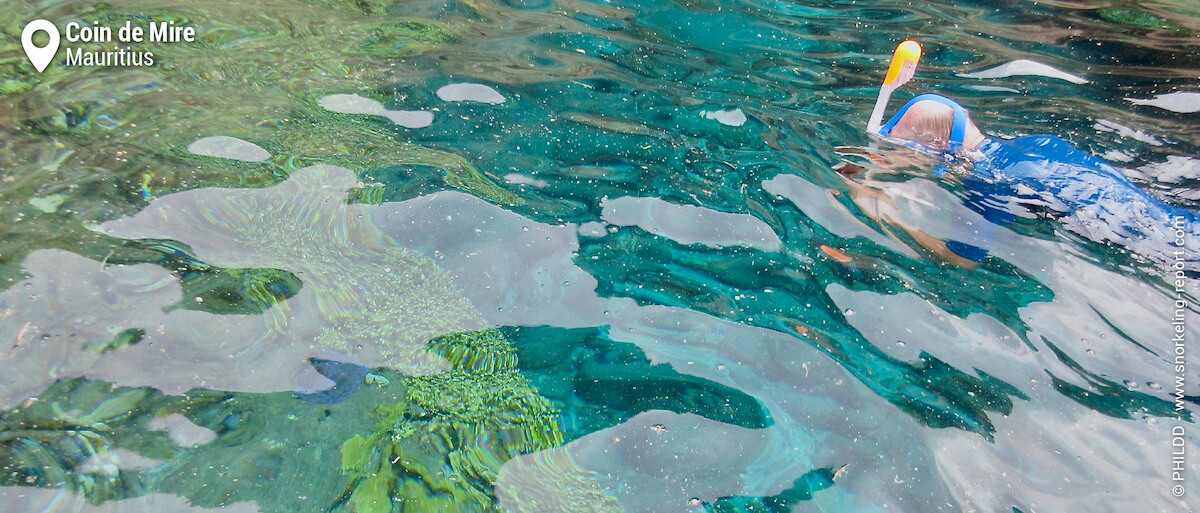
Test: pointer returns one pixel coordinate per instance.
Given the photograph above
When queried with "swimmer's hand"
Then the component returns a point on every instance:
(848, 169)
(896, 158)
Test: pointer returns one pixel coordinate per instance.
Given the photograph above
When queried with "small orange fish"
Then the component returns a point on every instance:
(801, 330)
(835, 254)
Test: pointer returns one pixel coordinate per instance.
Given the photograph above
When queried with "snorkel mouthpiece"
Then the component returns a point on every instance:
(904, 64)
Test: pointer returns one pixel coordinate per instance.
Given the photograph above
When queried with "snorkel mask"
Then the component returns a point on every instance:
(901, 69)
(958, 129)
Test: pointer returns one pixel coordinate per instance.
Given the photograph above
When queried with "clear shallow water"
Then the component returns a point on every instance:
(642, 217)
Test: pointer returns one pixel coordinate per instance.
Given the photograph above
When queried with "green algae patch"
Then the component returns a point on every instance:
(372, 496)
(255, 444)
(441, 448)
(315, 135)
(484, 351)
(205, 288)
(246, 76)
(1136, 17)
(357, 453)
(48, 204)
(237, 291)
(410, 35)
(126, 337)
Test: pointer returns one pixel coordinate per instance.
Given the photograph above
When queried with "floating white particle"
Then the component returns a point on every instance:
(733, 117)
(1182, 102)
(229, 148)
(1025, 67)
(355, 104)
(467, 92)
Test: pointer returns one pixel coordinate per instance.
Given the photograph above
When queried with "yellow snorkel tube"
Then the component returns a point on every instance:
(904, 64)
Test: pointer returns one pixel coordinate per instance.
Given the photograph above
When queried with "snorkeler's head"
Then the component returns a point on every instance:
(935, 122)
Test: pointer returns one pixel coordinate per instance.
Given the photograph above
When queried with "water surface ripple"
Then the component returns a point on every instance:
(693, 311)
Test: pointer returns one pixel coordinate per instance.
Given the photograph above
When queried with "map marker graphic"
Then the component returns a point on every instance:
(40, 57)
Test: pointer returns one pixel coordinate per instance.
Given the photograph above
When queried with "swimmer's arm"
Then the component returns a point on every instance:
(938, 247)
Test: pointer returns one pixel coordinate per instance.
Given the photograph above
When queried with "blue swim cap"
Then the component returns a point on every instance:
(957, 131)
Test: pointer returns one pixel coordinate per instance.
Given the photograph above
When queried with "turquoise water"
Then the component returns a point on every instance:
(561, 255)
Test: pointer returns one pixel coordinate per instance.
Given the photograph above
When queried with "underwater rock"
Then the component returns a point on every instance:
(347, 378)
(63, 321)
(369, 297)
(236, 291)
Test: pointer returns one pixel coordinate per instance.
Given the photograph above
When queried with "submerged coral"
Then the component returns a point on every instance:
(437, 442)
(441, 448)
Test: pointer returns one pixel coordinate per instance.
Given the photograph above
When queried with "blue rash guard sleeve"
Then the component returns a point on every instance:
(967, 251)
(1046, 176)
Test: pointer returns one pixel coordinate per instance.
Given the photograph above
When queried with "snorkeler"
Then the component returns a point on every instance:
(1035, 176)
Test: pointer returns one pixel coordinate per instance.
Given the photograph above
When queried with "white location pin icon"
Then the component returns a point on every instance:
(40, 57)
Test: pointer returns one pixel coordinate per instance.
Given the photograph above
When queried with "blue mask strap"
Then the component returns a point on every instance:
(958, 130)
